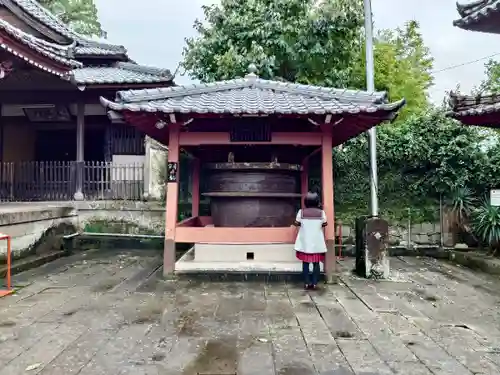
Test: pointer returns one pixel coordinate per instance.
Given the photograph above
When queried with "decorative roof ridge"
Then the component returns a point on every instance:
(61, 54)
(326, 93)
(131, 66)
(44, 15)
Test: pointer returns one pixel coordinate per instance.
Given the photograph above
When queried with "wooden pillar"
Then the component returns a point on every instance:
(172, 197)
(80, 135)
(328, 205)
(195, 188)
(304, 180)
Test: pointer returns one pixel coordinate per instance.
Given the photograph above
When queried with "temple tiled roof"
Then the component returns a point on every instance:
(117, 73)
(478, 15)
(120, 73)
(466, 105)
(252, 95)
(56, 52)
(84, 45)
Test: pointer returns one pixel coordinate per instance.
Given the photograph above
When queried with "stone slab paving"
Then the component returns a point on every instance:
(111, 313)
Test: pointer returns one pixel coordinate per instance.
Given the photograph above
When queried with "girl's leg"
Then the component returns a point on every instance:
(315, 274)
(305, 274)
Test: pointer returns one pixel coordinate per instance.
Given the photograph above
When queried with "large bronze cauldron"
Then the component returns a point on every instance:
(253, 194)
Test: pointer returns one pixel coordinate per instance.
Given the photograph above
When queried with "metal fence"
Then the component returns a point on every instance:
(56, 181)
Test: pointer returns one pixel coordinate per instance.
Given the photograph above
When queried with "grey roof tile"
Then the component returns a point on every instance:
(475, 13)
(34, 9)
(121, 73)
(251, 95)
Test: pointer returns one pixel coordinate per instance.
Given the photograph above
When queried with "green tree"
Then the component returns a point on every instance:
(306, 41)
(403, 67)
(491, 84)
(80, 15)
(426, 156)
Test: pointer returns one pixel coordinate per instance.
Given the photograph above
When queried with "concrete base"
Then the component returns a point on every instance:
(267, 258)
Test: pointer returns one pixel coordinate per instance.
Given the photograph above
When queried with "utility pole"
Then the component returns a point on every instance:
(370, 87)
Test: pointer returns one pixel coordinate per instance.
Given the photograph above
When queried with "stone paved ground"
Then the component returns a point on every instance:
(100, 313)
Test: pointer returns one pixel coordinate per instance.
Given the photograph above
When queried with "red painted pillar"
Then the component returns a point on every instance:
(328, 205)
(171, 203)
(304, 180)
(195, 188)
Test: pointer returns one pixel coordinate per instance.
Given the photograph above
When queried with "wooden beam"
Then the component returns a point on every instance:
(221, 138)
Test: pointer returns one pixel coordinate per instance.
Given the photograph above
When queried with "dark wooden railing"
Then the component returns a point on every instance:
(56, 181)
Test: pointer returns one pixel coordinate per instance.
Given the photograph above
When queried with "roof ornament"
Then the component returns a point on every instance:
(252, 71)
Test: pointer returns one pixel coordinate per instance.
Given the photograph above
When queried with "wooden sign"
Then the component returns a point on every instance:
(172, 172)
(50, 113)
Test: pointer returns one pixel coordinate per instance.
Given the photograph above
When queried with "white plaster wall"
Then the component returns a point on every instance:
(238, 252)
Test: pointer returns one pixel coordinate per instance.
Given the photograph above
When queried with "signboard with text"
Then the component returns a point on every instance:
(495, 197)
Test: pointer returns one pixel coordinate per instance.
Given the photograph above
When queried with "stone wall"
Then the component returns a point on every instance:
(144, 216)
(35, 229)
(39, 228)
(426, 234)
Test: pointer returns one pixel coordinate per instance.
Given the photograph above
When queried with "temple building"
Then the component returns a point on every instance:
(56, 142)
(482, 109)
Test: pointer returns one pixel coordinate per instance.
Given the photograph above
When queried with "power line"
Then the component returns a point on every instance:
(465, 63)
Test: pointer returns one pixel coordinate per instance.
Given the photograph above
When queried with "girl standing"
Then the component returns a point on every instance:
(310, 244)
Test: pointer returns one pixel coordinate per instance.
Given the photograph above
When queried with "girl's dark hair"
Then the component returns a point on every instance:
(312, 200)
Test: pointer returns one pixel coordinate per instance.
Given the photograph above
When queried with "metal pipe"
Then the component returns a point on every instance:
(370, 87)
(122, 235)
(117, 235)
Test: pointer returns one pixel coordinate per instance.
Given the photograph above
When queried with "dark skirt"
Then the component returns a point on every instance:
(311, 258)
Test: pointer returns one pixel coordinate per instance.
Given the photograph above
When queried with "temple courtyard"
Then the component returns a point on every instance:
(111, 313)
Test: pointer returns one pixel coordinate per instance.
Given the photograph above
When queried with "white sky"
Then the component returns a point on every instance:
(153, 31)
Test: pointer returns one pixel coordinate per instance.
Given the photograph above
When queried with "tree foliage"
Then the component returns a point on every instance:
(403, 67)
(491, 83)
(80, 15)
(426, 157)
(305, 41)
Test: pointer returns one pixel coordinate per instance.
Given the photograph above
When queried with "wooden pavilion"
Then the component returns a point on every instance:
(248, 127)
(483, 109)
(51, 79)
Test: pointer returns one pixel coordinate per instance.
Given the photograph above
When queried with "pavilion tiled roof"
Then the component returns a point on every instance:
(120, 73)
(252, 95)
(477, 14)
(84, 45)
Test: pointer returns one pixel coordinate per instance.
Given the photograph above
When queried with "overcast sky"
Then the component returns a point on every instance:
(154, 30)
